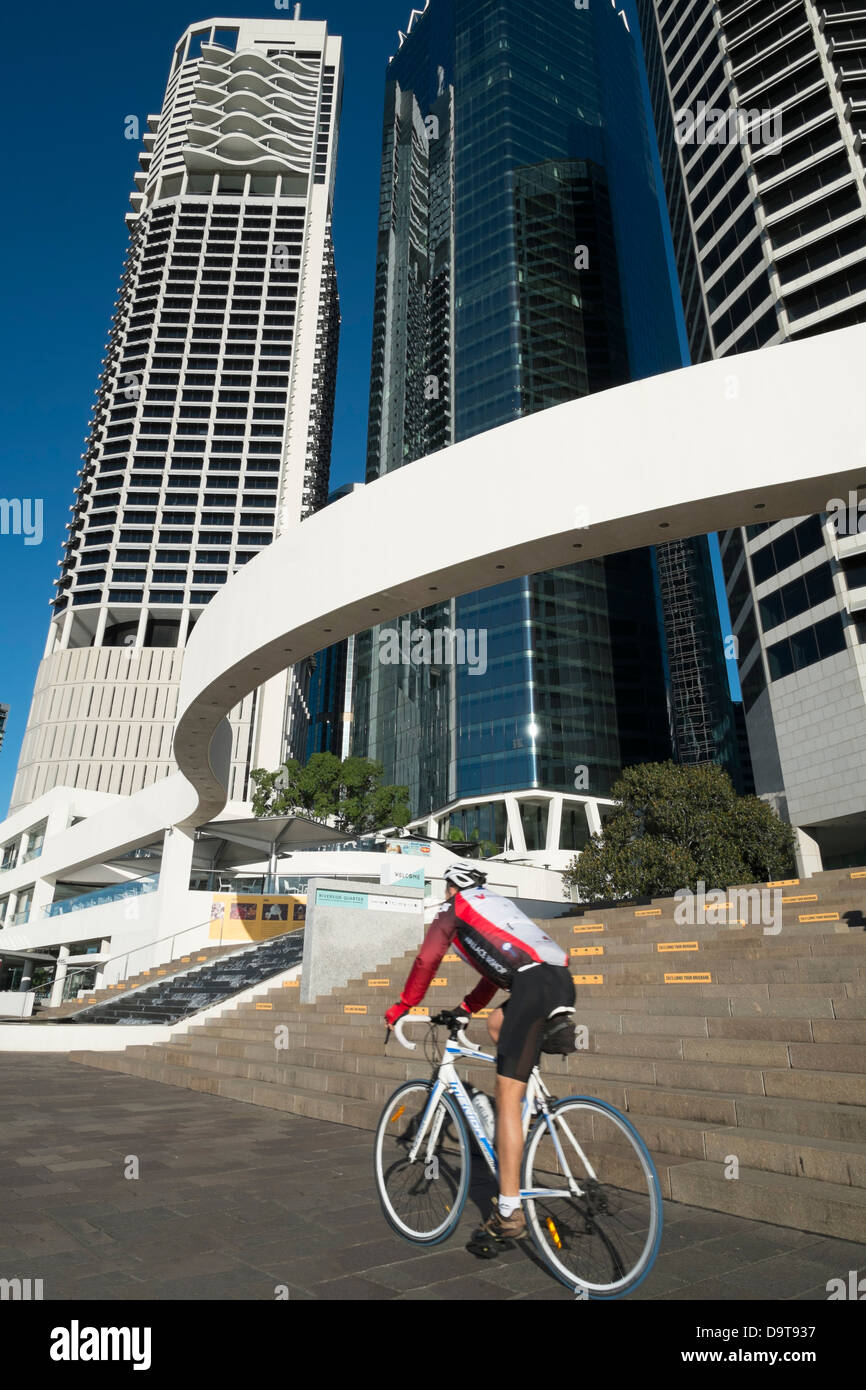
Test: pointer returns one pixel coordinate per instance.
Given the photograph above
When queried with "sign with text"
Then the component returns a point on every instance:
(374, 902)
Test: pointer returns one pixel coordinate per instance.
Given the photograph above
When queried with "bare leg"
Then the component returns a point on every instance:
(509, 1133)
(509, 1129)
(494, 1024)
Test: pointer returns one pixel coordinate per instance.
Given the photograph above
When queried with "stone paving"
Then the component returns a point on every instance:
(233, 1200)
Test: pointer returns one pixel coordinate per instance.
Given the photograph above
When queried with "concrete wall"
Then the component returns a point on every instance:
(16, 1003)
(341, 942)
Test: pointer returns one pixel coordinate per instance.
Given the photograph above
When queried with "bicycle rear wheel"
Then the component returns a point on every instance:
(603, 1243)
(422, 1200)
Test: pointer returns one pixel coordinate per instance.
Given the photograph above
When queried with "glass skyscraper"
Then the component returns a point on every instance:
(521, 263)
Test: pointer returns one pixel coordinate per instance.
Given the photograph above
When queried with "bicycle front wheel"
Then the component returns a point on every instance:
(422, 1199)
(603, 1242)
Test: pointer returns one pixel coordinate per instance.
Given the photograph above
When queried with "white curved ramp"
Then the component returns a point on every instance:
(769, 434)
(765, 435)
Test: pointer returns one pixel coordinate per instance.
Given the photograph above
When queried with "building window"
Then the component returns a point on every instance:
(806, 648)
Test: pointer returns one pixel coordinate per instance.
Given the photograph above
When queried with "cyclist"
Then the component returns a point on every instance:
(512, 953)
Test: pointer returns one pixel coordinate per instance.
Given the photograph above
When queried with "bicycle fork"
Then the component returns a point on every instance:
(438, 1121)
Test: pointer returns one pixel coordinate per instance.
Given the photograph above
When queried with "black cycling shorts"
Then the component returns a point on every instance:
(536, 992)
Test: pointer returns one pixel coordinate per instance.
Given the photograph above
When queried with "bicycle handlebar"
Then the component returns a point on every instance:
(423, 1018)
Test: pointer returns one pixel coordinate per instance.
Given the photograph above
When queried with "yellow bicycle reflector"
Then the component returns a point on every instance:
(397, 1114)
(554, 1232)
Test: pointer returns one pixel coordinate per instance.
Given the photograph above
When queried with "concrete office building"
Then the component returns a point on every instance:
(211, 431)
(761, 114)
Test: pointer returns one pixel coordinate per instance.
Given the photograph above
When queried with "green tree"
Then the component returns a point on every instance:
(674, 827)
(349, 794)
(485, 848)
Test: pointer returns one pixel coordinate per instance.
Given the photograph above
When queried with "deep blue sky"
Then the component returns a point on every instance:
(72, 79)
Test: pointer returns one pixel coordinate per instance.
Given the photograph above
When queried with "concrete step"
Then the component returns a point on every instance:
(815, 1119)
(826, 1160)
(179, 965)
(802, 1203)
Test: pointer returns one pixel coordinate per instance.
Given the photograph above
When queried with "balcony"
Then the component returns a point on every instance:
(115, 892)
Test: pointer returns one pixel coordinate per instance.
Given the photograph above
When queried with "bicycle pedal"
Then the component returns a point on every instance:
(484, 1246)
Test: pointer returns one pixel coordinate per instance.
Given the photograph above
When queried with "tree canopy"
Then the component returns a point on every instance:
(674, 827)
(349, 794)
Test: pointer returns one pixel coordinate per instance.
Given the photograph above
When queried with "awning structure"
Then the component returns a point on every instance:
(274, 834)
(225, 844)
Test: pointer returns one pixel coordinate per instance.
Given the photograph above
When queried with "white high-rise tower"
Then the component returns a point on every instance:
(212, 428)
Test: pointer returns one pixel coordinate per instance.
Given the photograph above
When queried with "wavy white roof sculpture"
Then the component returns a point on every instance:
(769, 434)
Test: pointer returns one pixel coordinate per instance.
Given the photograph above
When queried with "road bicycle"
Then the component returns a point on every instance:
(590, 1191)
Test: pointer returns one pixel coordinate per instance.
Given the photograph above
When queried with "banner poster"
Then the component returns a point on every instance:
(243, 917)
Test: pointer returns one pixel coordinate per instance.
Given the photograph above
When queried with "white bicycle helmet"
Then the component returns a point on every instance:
(464, 878)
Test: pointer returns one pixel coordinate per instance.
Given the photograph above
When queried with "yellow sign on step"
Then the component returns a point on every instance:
(264, 1006)
(379, 984)
(184, 960)
(440, 980)
(354, 1008)
(588, 979)
(587, 950)
(420, 1010)
(859, 873)
(589, 926)
(677, 946)
(784, 883)
(483, 1013)
(818, 917)
(450, 959)
(648, 912)
(291, 984)
(801, 898)
(693, 979)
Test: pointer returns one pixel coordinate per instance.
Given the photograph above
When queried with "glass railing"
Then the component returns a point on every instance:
(116, 892)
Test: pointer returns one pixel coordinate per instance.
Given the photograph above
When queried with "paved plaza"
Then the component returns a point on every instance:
(233, 1200)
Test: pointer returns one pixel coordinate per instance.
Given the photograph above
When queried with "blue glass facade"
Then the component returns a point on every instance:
(521, 263)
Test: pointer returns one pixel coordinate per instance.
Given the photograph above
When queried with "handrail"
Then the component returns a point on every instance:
(148, 946)
(196, 925)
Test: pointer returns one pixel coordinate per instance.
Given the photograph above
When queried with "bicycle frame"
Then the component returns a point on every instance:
(534, 1102)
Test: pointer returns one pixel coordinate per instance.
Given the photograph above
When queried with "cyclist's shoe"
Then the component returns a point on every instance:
(497, 1233)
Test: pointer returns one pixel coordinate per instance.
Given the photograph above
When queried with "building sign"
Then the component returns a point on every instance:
(243, 917)
(377, 902)
(401, 871)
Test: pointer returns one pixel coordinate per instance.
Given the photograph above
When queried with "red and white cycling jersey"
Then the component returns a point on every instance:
(492, 934)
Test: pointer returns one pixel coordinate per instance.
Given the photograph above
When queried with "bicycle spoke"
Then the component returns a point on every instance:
(421, 1199)
(604, 1240)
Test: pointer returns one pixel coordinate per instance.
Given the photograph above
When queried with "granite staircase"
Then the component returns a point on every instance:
(189, 991)
(739, 1055)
